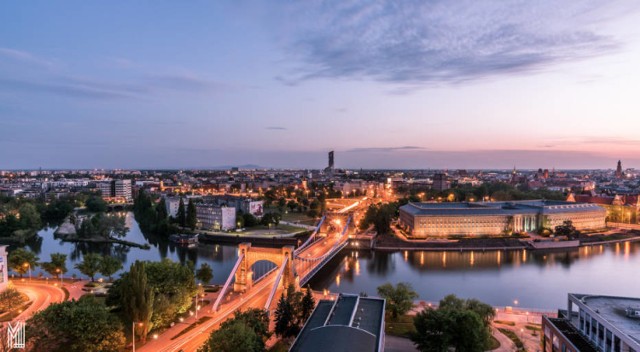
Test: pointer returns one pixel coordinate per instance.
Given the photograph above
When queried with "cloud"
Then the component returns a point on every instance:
(25, 57)
(276, 128)
(185, 82)
(417, 42)
(593, 140)
(65, 87)
(382, 149)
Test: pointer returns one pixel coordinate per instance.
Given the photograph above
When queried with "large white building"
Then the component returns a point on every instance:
(213, 217)
(172, 205)
(421, 220)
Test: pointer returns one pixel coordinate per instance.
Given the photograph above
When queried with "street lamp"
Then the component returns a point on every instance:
(133, 334)
(60, 275)
(28, 265)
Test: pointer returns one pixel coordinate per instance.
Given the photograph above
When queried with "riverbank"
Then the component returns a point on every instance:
(389, 243)
(393, 243)
(107, 240)
(256, 240)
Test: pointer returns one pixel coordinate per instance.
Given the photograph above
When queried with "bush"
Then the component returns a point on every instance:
(10, 299)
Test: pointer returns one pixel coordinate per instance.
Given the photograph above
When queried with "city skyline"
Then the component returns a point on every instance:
(411, 85)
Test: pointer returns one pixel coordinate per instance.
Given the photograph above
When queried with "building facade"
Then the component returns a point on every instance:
(213, 217)
(441, 182)
(115, 190)
(172, 205)
(422, 220)
(599, 323)
(4, 269)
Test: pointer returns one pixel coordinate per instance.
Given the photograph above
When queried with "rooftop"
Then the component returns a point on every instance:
(573, 335)
(612, 309)
(498, 208)
(351, 323)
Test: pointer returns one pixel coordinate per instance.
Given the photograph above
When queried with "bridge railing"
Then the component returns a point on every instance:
(276, 283)
(319, 266)
(312, 237)
(227, 283)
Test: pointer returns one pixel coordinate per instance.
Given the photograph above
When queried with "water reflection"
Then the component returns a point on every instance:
(220, 257)
(540, 279)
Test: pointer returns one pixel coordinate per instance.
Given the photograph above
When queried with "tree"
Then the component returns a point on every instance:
(463, 325)
(307, 305)
(380, 217)
(109, 265)
(432, 333)
(161, 210)
(96, 204)
(75, 326)
(57, 266)
(22, 260)
(567, 229)
(292, 205)
(235, 336)
(205, 273)
(284, 318)
(137, 299)
(90, 265)
(30, 217)
(192, 218)
(250, 220)
(271, 218)
(182, 215)
(257, 320)
(173, 285)
(399, 298)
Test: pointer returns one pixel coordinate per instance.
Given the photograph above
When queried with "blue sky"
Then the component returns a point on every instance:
(387, 84)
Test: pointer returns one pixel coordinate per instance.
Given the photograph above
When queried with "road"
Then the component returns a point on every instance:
(41, 294)
(255, 298)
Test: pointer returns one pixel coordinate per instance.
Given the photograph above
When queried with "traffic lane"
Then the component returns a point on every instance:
(42, 295)
(198, 336)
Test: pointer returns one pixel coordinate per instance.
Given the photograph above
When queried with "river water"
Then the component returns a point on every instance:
(533, 279)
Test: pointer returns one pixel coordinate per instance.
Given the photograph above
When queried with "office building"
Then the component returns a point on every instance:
(420, 220)
(599, 323)
(349, 324)
(172, 205)
(441, 182)
(214, 217)
(115, 190)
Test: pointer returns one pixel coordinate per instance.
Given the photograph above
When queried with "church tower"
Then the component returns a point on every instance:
(619, 170)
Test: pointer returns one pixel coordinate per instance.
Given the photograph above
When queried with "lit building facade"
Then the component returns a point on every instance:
(422, 220)
(213, 217)
(116, 190)
(4, 269)
(598, 323)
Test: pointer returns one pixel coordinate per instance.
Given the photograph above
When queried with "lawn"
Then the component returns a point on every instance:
(403, 326)
(512, 335)
(280, 346)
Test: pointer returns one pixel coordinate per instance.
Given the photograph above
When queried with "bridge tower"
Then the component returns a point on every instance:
(244, 275)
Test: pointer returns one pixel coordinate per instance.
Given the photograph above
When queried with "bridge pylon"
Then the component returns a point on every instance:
(244, 276)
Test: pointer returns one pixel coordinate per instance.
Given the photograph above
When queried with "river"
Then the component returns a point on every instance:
(533, 279)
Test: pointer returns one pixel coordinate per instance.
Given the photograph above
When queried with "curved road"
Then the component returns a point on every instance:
(41, 294)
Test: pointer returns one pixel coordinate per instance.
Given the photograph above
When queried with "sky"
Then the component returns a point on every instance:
(386, 84)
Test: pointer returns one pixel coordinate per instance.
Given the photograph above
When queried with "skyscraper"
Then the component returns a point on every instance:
(331, 160)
